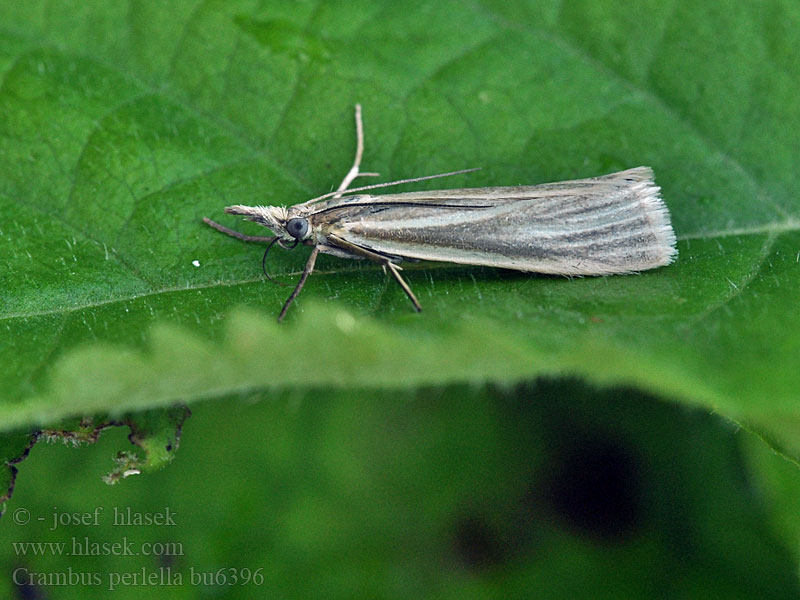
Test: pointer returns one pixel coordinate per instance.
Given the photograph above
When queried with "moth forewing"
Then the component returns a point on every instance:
(598, 226)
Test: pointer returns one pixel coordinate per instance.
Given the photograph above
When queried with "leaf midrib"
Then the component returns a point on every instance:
(774, 229)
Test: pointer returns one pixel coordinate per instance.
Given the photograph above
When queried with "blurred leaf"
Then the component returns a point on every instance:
(125, 123)
(549, 490)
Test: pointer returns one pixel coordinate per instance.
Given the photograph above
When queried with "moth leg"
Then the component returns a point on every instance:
(236, 234)
(385, 262)
(354, 170)
(395, 270)
(306, 272)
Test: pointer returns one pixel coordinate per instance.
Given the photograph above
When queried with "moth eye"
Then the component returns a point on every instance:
(297, 227)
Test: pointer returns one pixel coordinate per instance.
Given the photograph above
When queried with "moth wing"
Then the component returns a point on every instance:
(616, 223)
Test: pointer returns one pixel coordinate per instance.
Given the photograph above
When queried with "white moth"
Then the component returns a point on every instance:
(605, 225)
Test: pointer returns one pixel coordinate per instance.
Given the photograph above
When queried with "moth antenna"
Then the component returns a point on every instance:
(398, 182)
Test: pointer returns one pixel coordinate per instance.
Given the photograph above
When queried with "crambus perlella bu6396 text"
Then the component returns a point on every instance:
(613, 224)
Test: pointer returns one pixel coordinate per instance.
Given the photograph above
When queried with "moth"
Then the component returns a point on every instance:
(613, 224)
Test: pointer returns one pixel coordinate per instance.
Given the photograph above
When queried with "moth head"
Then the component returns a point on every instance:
(275, 218)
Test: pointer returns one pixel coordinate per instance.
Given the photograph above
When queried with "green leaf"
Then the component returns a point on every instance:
(14, 447)
(552, 490)
(155, 435)
(125, 123)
